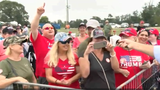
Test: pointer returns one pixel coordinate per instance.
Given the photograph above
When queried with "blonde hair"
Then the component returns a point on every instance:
(8, 51)
(53, 56)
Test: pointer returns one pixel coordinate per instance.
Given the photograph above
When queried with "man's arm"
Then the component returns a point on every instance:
(150, 50)
(35, 22)
(34, 26)
(147, 49)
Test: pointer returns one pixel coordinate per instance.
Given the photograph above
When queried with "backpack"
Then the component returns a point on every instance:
(30, 55)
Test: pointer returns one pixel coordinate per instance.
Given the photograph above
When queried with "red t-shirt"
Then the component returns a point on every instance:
(125, 62)
(41, 47)
(64, 71)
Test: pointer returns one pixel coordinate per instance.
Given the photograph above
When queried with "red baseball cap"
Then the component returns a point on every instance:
(69, 32)
(141, 22)
(154, 31)
(128, 32)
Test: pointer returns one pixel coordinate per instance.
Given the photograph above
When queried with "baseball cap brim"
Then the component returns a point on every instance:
(66, 38)
(91, 26)
(23, 40)
(100, 37)
(126, 34)
(82, 25)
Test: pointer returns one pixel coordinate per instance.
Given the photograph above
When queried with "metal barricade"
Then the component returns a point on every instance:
(29, 86)
(146, 79)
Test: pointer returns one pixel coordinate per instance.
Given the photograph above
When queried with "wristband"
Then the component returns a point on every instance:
(113, 55)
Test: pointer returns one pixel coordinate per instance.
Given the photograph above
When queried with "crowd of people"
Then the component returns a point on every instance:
(62, 60)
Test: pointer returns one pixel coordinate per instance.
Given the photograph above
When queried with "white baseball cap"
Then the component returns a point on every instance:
(92, 23)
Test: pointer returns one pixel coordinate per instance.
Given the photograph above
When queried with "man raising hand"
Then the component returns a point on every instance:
(41, 43)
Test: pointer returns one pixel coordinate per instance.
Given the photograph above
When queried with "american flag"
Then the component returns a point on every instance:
(70, 70)
(132, 58)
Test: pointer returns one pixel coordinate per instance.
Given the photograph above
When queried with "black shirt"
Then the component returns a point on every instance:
(139, 28)
(96, 79)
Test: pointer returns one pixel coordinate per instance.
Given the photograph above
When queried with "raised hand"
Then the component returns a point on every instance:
(41, 9)
(109, 47)
(89, 48)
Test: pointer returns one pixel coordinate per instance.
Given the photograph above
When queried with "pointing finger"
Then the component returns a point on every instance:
(43, 5)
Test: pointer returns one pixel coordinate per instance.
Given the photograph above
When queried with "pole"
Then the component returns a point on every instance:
(67, 13)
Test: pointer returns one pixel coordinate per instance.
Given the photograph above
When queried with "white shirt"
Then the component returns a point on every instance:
(157, 53)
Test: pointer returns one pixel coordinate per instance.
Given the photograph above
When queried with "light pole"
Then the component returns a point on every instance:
(67, 13)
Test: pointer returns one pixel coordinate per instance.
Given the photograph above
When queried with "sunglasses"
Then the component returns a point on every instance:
(65, 42)
(47, 28)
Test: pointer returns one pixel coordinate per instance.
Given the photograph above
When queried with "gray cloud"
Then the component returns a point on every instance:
(83, 9)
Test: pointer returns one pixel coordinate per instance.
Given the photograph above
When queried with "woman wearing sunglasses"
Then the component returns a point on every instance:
(15, 65)
(61, 65)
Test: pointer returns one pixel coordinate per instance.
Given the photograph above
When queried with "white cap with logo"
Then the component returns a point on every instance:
(92, 23)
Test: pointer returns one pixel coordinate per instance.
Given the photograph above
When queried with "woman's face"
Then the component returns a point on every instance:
(131, 25)
(143, 37)
(18, 48)
(98, 39)
(64, 46)
(82, 29)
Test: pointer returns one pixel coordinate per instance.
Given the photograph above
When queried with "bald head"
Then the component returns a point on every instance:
(47, 25)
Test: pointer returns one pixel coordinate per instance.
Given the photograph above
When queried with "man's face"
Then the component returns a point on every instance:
(48, 30)
(90, 29)
(141, 24)
(106, 22)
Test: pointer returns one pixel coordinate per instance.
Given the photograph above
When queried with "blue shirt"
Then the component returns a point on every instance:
(157, 53)
(1, 38)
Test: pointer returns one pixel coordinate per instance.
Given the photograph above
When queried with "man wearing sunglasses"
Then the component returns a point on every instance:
(41, 43)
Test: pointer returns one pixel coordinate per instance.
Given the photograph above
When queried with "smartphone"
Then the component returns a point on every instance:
(99, 45)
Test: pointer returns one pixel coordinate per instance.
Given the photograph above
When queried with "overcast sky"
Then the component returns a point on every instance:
(83, 9)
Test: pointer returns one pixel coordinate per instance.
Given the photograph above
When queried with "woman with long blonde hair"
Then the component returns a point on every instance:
(61, 65)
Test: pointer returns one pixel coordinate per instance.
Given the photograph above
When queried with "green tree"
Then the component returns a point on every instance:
(135, 18)
(97, 18)
(148, 14)
(13, 11)
(61, 23)
(85, 21)
(157, 14)
(110, 16)
(44, 19)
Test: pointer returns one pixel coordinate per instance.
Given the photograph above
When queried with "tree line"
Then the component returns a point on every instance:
(14, 11)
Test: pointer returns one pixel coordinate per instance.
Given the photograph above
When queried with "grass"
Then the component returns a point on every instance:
(75, 30)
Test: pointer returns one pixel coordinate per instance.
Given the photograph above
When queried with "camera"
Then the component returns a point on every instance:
(114, 40)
